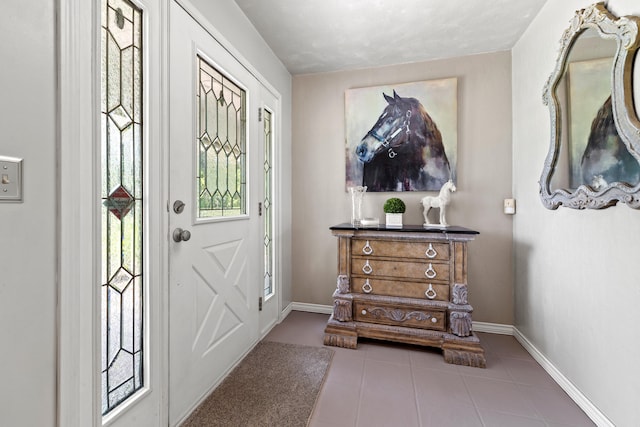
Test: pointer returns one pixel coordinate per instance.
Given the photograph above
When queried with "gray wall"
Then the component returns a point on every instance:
(576, 295)
(27, 230)
(484, 175)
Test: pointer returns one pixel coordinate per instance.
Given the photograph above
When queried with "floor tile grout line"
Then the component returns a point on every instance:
(360, 390)
(526, 396)
(415, 392)
(519, 386)
(538, 416)
(473, 401)
(530, 400)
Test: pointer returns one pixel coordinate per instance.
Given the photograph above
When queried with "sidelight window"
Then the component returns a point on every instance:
(122, 200)
(267, 203)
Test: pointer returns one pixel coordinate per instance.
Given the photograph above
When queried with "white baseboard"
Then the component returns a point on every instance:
(286, 311)
(576, 395)
(311, 308)
(493, 328)
(496, 328)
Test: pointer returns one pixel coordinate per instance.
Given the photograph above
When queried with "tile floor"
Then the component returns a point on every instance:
(394, 385)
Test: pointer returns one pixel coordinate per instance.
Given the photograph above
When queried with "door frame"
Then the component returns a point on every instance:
(76, 379)
(78, 328)
(78, 234)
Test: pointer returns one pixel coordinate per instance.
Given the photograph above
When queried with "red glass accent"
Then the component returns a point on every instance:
(119, 202)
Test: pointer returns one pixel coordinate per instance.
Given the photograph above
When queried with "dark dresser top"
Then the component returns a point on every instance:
(451, 229)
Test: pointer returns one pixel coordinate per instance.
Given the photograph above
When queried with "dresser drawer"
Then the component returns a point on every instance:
(394, 248)
(428, 271)
(395, 288)
(389, 314)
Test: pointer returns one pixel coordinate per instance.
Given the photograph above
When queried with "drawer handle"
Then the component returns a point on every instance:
(367, 269)
(434, 320)
(430, 273)
(367, 250)
(430, 293)
(431, 253)
(367, 288)
(364, 312)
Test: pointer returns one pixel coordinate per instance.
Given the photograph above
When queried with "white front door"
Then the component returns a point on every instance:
(215, 180)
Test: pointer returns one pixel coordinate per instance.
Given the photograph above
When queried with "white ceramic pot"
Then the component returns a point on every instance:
(394, 220)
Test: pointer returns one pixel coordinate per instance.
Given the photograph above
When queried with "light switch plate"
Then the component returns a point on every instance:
(10, 179)
(510, 206)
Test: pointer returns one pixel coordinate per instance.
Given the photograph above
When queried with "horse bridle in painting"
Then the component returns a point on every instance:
(386, 141)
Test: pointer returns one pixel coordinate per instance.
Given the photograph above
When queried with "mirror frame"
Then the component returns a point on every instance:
(624, 31)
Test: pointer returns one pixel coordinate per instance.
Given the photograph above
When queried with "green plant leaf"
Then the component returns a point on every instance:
(394, 205)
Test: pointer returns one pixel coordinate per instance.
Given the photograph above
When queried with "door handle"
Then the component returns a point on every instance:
(180, 235)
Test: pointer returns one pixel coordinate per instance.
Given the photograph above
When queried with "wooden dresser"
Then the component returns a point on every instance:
(406, 285)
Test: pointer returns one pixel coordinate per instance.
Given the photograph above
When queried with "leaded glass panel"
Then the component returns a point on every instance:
(220, 144)
(267, 204)
(122, 216)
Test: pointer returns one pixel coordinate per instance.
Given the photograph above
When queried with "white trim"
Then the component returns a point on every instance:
(574, 393)
(162, 156)
(279, 214)
(277, 202)
(286, 311)
(310, 308)
(493, 328)
(77, 381)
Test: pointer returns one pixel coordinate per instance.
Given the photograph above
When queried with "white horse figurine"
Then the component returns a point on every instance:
(440, 201)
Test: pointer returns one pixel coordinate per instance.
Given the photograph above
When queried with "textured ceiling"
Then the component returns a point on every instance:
(311, 36)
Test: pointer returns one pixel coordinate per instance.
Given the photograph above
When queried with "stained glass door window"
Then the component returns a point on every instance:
(220, 143)
(122, 217)
(268, 203)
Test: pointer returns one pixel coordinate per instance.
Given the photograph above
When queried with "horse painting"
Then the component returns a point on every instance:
(403, 151)
(606, 159)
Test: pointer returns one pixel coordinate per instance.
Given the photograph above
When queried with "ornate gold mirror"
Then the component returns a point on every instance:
(594, 156)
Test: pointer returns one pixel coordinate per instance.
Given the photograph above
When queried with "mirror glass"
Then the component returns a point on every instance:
(594, 154)
(591, 151)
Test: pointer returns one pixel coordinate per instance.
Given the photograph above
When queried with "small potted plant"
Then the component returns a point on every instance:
(394, 208)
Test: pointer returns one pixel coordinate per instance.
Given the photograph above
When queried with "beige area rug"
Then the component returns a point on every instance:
(275, 385)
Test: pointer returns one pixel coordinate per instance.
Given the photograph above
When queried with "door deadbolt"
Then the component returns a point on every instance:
(180, 235)
(178, 206)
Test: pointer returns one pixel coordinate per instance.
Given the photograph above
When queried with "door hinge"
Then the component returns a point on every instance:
(259, 208)
(260, 304)
(259, 114)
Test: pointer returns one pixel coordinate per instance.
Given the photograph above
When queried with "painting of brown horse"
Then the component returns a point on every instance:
(403, 150)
